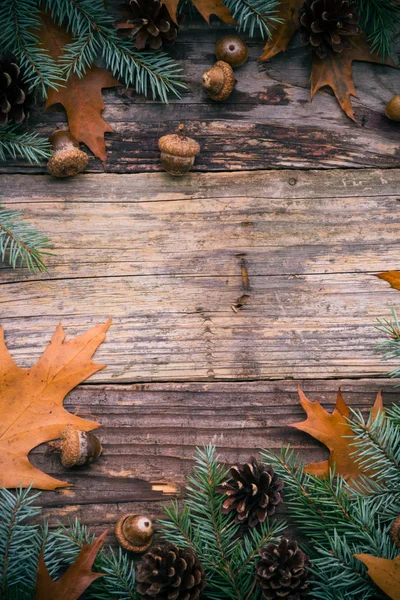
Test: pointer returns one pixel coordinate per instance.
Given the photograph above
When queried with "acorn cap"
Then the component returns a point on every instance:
(67, 159)
(179, 145)
(219, 94)
(134, 532)
(233, 50)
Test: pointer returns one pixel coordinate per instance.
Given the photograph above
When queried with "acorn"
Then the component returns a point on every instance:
(393, 108)
(67, 159)
(233, 50)
(76, 447)
(178, 152)
(134, 532)
(219, 81)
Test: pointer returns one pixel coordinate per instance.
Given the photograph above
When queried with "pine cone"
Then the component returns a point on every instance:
(149, 21)
(326, 24)
(253, 492)
(282, 571)
(166, 572)
(13, 95)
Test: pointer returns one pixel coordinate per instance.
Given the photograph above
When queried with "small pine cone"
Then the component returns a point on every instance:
(148, 21)
(282, 571)
(13, 93)
(326, 24)
(395, 531)
(166, 572)
(254, 492)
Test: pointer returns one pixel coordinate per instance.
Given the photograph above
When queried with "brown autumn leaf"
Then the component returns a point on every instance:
(335, 71)
(31, 403)
(81, 98)
(392, 277)
(384, 572)
(75, 580)
(332, 429)
(283, 32)
(205, 7)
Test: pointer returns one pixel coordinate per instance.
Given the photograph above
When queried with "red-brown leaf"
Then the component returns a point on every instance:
(205, 7)
(283, 32)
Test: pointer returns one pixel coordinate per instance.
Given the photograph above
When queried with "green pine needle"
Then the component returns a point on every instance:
(255, 17)
(16, 143)
(21, 244)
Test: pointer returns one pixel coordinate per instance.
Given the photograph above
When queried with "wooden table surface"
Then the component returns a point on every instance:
(307, 199)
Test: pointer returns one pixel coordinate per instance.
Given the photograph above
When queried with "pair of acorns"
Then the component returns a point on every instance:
(219, 81)
(77, 448)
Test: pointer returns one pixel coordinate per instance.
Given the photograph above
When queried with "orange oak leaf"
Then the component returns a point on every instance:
(392, 277)
(75, 580)
(31, 403)
(384, 572)
(81, 97)
(283, 32)
(205, 7)
(332, 429)
(335, 71)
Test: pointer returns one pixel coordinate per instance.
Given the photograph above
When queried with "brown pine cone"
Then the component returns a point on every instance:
(326, 24)
(254, 492)
(13, 93)
(166, 572)
(148, 21)
(282, 571)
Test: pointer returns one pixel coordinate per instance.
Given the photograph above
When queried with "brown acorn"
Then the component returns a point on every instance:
(67, 158)
(178, 152)
(233, 50)
(76, 447)
(393, 108)
(134, 532)
(219, 81)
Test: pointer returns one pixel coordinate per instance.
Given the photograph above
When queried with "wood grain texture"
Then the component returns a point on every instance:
(268, 122)
(150, 433)
(163, 258)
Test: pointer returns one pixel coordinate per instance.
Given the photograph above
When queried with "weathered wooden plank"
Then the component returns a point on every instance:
(150, 433)
(269, 121)
(163, 258)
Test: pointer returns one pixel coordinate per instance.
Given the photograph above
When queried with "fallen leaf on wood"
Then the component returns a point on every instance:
(205, 7)
(75, 580)
(283, 32)
(331, 429)
(81, 98)
(335, 71)
(384, 572)
(31, 403)
(392, 277)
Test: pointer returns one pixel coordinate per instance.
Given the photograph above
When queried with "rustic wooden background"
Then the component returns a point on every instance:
(307, 198)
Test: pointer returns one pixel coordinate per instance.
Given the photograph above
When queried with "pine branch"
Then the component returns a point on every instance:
(390, 348)
(227, 557)
(20, 243)
(94, 33)
(16, 143)
(20, 20)
(254, 16)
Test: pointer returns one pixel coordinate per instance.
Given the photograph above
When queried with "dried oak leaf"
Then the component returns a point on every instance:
(283, 32)
(75, 580)
(205, 7)
(384, 572)
(332, 429)
(392, 277)
(81, 97)
(31, 403)
(335, 71)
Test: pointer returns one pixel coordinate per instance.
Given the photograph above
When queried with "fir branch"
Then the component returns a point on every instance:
(20, 20)
(390, 348)
(94, 33)
(15, 143)
(254, 16)
(21, 244)
(379, 19)
(227, 557)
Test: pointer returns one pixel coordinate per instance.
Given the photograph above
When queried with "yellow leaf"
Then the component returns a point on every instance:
(384, 572)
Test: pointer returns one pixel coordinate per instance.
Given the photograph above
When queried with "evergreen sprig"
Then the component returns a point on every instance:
(255, 17)
(380, 20)
(390, 347)
(16, 142)
(228, 557)
(21, 244)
